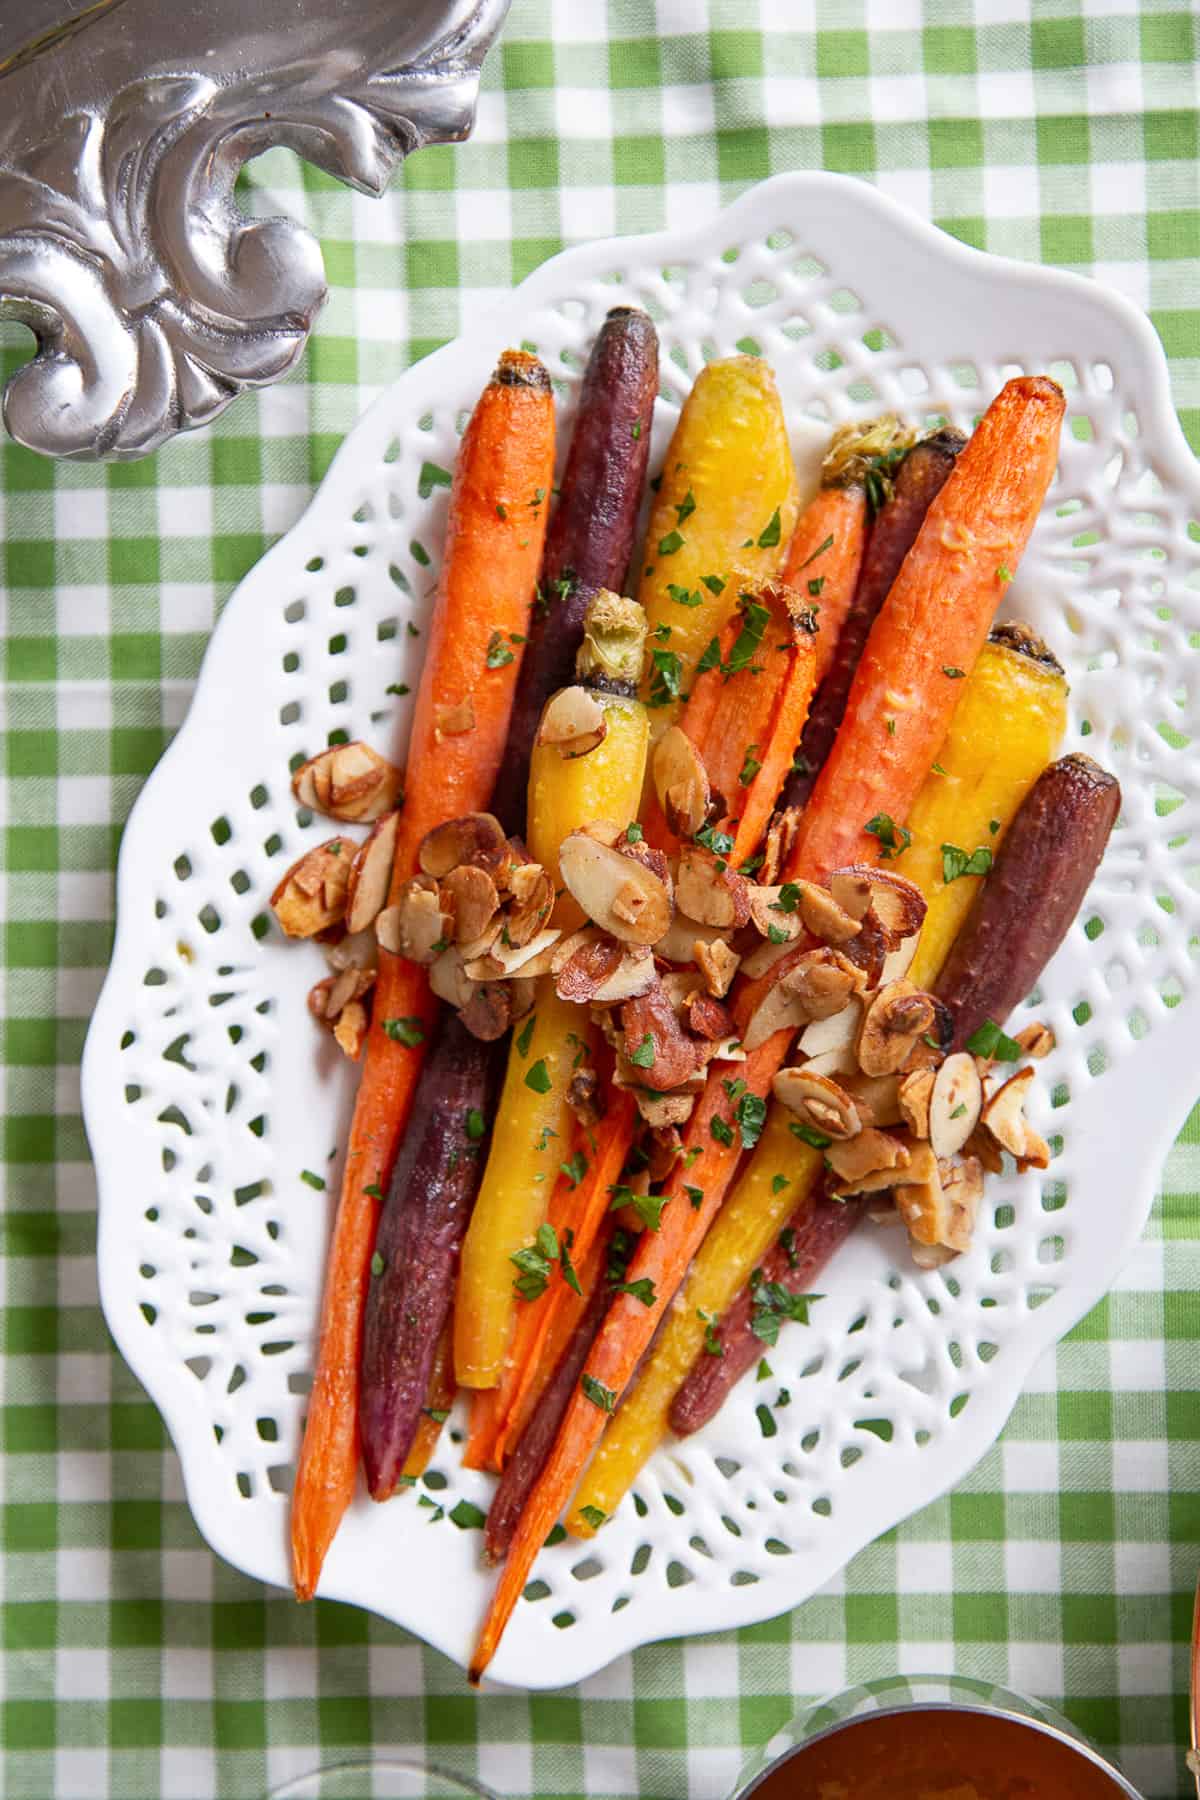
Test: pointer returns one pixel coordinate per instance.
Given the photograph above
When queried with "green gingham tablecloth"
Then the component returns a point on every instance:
(134, 1665)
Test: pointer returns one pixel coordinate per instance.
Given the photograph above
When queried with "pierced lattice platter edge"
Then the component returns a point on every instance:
(1155, 1083)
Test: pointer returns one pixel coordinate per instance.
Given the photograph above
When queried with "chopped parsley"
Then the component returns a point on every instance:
(525, 1035)
(771, 532)
(498, 652)
(598, 1394)
(721, 1130)
(642, 1290)
(398, 687)
(710, 656)
(1004, 573)
(789, 898)
(667, 546)
(373, 1191)
(575, 1168)
(755, 619)
(377, 1264)
(766, 1420)
(409, 1031)
(592, 1515)
(772, 1305)
(956, 862)
(634, 833)
(501, 510)
(953, 674)
(467, 1516)
(991, 1042)
(648, 1207)
(816, 583)
(683, 596)
(695, 1195)
(819, 551)
(712, 1343)
(719, 842)
(476, 1124)
(764, 1370)
(893, 839)
(538, 1077)
(787, 1243)
(778, 1183)
(751, 1115)
(808, 1135)
(713, 583)
(751, 764)
(686, 507)
(667, 677)
(643, 1056)
(635, 430)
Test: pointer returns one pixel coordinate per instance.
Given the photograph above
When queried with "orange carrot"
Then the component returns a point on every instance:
(930, 630)
(581, 1210)
(460, 722)
(940, 606)
(824, 558)
(481, 1432)
(438, 1401)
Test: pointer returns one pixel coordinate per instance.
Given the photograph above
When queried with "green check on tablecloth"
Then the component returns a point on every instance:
(135, 1666)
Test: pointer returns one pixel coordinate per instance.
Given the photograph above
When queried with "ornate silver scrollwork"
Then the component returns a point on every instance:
(123, 124)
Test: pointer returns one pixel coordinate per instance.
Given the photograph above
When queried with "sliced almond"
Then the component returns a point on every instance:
(837, 1031)
(573, 722)
(921, 1199)
(514, 858)
(583, 962)
(488, 1013)
(868, 1153)
(662, 1110)
(850, 890)
(780, 921)
(894, 1020)
(417, 925)
(351, 984)
(634, 974)
(585, 1097)
(986, 1151)
(899, 961)
(897, 903)
(650, 1028)
(730, 1049)
(777, 845)
(818, 985)
(718, 965)
(824, 917)
(680, 985)
(877, 1098)
(350, 1031)
(678, 942)
(371, 874)
(777, 1011)
(707, 891)
(930, 1256)
(473, 948)
(532, 903)
(932, 1047)
(763, 957)
(470, 894)
(312, 895)
(455, 721)
(449, 979)
(506, 960)
(620, 894)
(1036, 1040)
(349, 781)
(838, 1063)
(475, 838)
(955, 1104)
(1004, 1117)
(817, 1101)
(318, 998)
(962, 1186)
(708, 1018)
(681, 783)
(355, 950)
(915, 1094)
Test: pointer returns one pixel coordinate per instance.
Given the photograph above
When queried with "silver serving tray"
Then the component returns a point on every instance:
(123, 125)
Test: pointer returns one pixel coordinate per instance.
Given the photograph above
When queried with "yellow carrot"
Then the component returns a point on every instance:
(728, 491)
(604, 784)
(1006, 728)
(782, 1173)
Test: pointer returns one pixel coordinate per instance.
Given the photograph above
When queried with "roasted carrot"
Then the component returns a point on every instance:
(903, 500)
(940, 606)
(580, 1210)
(439, 1398)
(930, 630)
(486, 585)
(481, 1432)
(727, 497)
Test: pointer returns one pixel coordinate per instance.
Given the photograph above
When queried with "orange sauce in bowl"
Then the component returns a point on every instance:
(938, 1754)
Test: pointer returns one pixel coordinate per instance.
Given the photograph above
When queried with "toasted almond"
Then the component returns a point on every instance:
(418, 923)
(930, 1256)
(506, 960)
(532, 906)
(576, 940)
(351, 984)
(455, 721)
(649, 1025)
(824, 917)
(894, 1020)
(707, 891)
(708, 1019)
(837, 1031)
(354, 950)
(473, 948)
(839, 1063)
(824, 981)
(350, 1031)
(585, 1097)
(475, 838)
(620, 894)
(604, 832)
(522, 990)
(869, 1152)
(877, 1097)
(573, 722)
(594, 958)
(312, 895)
(850, 890)
(371, 874)
(634, 974)
(899, 961)
(987, 1152)
(318, 997)
(387, 927)
(1036, 1040)
(680, 985)
(730, 1049)
(449, 979)
(921, 1199)
(764, 956)
(915, 1094)
(1004, 1117)
(470, 894)
(678, 942)
(932, 1047)
(349, 781)
(955, 1104)
(777, 845)
(776, 1011)
(488, 1013)
(817, 1101)
(662, 1110)
(681, 783)
(962, 1186)
(779, 921)
(897, 903)
(718, 964)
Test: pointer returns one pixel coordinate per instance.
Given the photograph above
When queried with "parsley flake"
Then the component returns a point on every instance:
(991, 1042)
(956, 862)
(409, 1031)
(538, 1077)
(598, 1394)
(771, 532)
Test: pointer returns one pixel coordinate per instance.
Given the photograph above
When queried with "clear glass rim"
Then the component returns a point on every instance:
(1083, 1750)
(294, 1786)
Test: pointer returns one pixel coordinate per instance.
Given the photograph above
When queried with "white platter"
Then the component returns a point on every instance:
(211, 1245)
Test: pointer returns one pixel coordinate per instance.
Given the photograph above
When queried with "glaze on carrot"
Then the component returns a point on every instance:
(494, 538)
